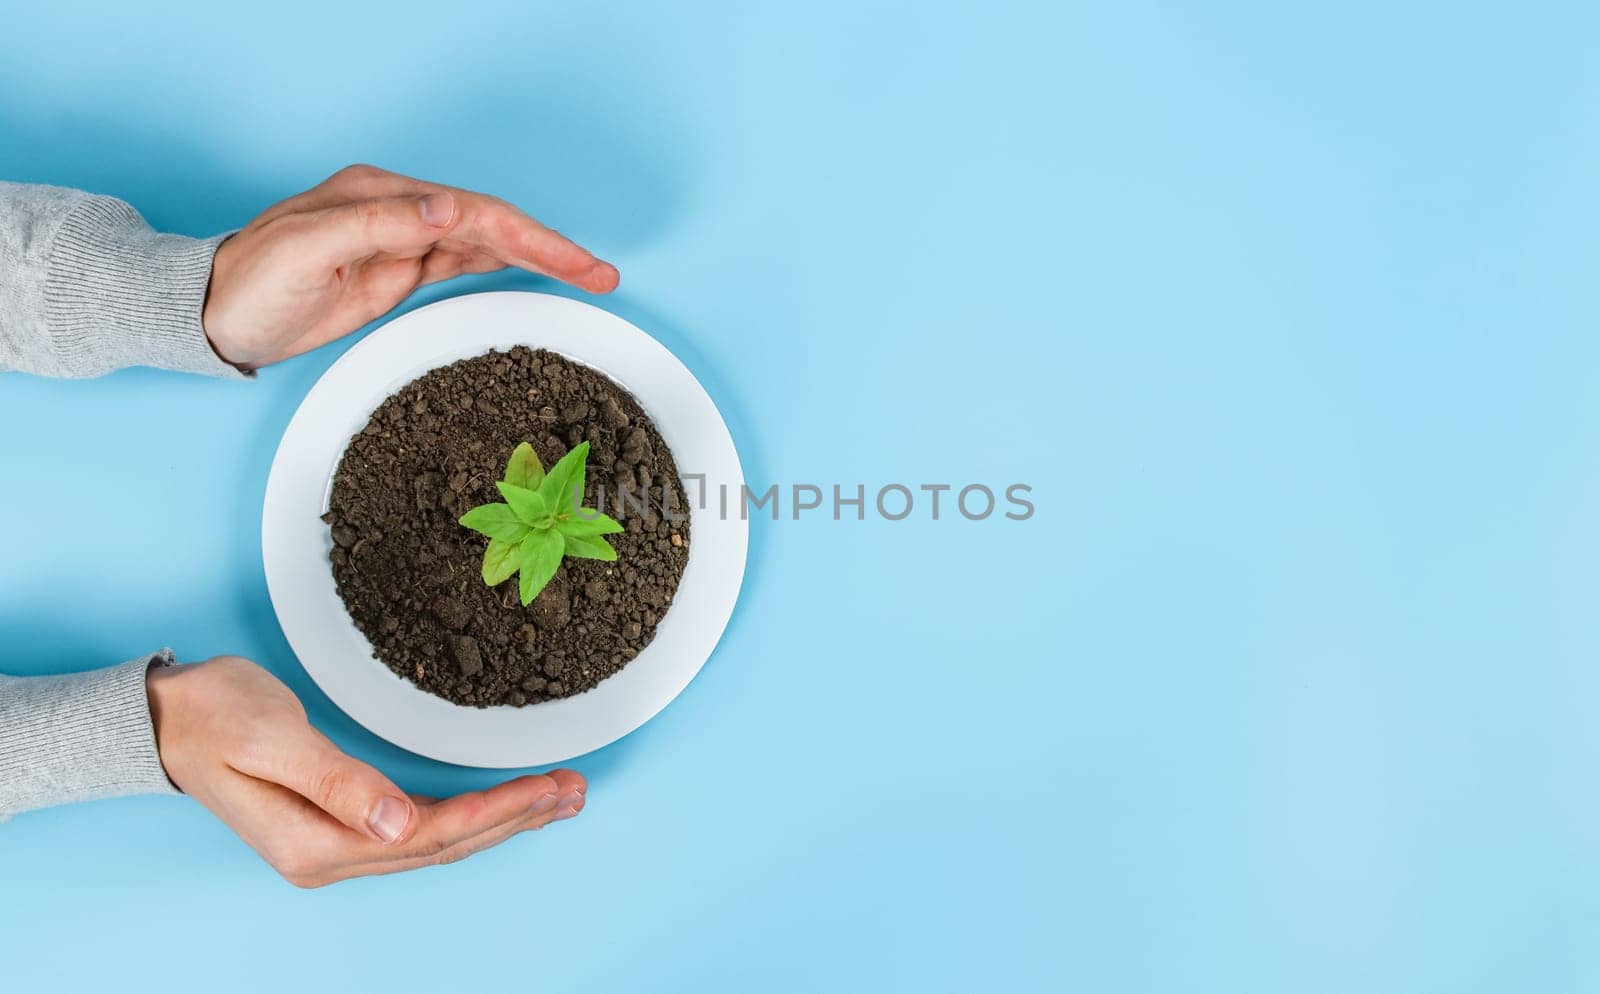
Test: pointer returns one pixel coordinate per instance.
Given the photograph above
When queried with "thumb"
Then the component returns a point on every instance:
(356, 794)
(399, 225)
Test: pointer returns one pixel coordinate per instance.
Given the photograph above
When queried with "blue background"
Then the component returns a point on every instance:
(1288, 315)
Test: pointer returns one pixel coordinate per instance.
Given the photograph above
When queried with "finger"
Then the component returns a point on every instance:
(569, 798)
(569, 782)
(470, 846)
(357, 182)
(456, 819)
(374, 288)
(499, 229)
(488, 224)
(404, 226)
(364, 182)
(443, 265)
(455, 853)
(500, 815)
(354, 793)
(310, 849)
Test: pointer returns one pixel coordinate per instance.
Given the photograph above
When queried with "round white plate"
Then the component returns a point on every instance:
(295, 543)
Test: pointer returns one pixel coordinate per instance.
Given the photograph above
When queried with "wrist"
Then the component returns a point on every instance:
(163, 687)
(212, 322)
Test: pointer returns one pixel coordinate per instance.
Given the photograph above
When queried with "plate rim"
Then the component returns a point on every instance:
(669, 683)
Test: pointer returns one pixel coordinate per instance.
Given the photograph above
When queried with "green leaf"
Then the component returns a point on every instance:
(541, 557)
(540, 521)
(524, 470)
(496, 521)
(500, 560)
(588, 522)
(565, 477)
(529, 505)
(588, 547)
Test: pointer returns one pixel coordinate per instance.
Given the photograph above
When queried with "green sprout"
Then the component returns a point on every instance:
(541, 521)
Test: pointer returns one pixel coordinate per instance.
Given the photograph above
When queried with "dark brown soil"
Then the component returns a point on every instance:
(410, 574)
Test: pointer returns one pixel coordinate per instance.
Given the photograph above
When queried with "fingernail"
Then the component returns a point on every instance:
(542, 805)
(438, 209)
(571, 804)
(389, 817)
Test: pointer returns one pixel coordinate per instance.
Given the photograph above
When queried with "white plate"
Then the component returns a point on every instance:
(295, 543)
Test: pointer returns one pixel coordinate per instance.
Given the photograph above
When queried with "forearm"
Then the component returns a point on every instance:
(78, 737)
(87, 287)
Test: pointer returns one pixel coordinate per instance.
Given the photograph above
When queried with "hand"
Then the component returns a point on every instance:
(236, 740)
(323, 263)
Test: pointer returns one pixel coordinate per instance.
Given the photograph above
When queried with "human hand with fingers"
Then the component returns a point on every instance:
(234, 738)
(91, 287)
(307, 271)
(321, 264)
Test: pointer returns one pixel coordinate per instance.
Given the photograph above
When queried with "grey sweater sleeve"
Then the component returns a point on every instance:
(78, 737)
(87, 287)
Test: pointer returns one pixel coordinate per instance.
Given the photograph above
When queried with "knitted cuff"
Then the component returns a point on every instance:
(120, 294)
(78, 737)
